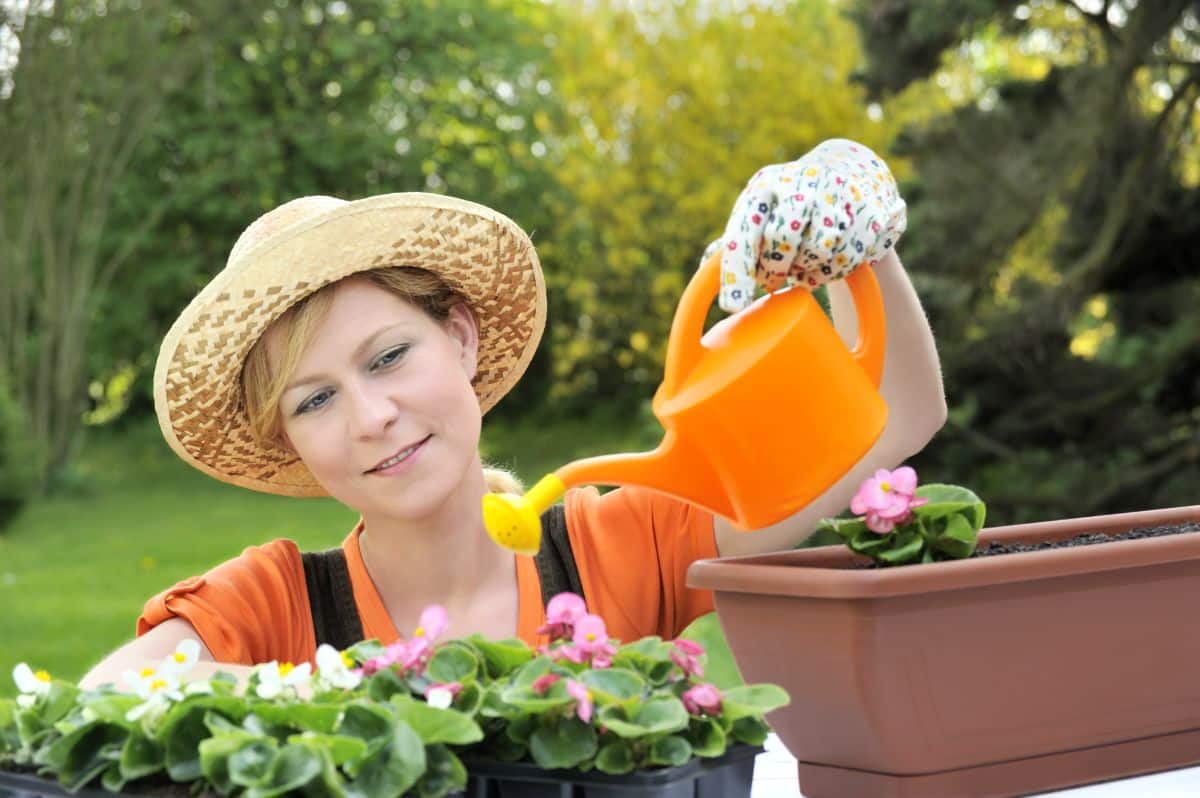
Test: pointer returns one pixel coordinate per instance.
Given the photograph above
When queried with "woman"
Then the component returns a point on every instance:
(351, 349)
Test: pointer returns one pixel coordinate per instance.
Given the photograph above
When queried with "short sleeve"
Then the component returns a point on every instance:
(632, 547)
(251, 609)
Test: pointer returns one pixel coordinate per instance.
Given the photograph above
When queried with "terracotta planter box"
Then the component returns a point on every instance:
(995, 676)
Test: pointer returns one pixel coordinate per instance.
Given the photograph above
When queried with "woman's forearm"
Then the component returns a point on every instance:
(912, 375)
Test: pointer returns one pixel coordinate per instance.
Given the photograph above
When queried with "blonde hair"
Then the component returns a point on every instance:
(262, 387)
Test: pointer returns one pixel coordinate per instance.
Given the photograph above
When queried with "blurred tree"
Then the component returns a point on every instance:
(670, 109)
(75, 114)
(345, 99)
(1052, 216)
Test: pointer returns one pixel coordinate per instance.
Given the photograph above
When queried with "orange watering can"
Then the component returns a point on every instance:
(760, 417)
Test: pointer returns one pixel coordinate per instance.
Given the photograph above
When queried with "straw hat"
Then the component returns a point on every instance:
(310, 242)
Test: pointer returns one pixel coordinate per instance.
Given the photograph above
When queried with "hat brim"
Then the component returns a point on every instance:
(480, 253)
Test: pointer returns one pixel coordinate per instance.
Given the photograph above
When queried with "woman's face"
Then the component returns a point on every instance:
(380, 407)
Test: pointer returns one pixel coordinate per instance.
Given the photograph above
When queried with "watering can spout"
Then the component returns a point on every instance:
(514, 521)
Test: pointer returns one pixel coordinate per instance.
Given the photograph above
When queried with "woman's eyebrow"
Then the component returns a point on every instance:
(358, 350)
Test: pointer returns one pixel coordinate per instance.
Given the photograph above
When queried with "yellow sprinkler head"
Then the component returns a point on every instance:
(515, 522)
(512, 523)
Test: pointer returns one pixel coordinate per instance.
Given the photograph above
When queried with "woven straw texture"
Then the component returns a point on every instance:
(294, 250)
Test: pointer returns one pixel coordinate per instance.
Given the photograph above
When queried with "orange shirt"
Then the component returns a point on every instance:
(632, 547)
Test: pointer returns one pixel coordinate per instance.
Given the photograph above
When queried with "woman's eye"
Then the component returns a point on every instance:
(314, 402)
(389, 357)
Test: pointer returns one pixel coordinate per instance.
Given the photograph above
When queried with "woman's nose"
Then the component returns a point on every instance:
(371, 411)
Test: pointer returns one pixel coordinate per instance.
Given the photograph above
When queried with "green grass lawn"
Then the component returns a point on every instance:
(76, 567)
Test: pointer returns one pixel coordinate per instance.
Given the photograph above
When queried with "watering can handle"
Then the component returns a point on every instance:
(687, 328)
(684, 348)
(872, 327)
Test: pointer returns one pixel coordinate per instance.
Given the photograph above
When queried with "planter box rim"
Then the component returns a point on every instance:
(823, 572)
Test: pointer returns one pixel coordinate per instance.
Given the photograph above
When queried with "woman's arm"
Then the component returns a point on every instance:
(911, 386)
(150, 649)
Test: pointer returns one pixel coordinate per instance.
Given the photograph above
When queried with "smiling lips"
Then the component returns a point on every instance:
(399, 457)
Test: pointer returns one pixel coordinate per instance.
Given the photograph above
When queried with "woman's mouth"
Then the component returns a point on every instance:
(399, 460)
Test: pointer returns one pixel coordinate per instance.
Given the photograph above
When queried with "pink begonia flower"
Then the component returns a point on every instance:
(413, 654)
(583, 699)
(590, 642)
(887, 499)
(684, 653)
(544, 682)
(562, 612)
(703, 699)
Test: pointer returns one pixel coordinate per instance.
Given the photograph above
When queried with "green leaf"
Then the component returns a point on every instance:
(661, 715)
(754, 700)
(293, 767)
(563, 745)
(615, 757)
(341, 747)
(939, 493)
(707, 737)
(453, 662)
(140, 756)
(384, 684)
(524, 699)
(216, 752)
(957, 539)
(437, 725)
(183, 727)
(78, 757)
(112, 708)
(112, 780)
(521, 728)
(394, 768)
(847, 529)
(501, 657)
(444, 773)
(367, 649)
(469, 699)
(250, 761)
(752, 731)
(651, 647)
(669, 751)
(59, 700)
(905, 547)
(10, 737)
(301, 715)
(613, 684)
(528, 673)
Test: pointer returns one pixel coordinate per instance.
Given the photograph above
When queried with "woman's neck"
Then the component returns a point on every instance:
(446, 558)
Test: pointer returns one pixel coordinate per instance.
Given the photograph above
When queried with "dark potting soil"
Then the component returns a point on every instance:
(1087, 539)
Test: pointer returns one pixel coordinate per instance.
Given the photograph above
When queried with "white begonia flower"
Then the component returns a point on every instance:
(187, 653)
(156, 688)
(273, 678)
(440, 697)
(198, 687)
(333, 668)
(31, 684)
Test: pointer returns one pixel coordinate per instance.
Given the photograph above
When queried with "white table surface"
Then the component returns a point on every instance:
(775, 777)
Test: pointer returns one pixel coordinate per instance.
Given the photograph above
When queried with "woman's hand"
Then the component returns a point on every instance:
(809, 221)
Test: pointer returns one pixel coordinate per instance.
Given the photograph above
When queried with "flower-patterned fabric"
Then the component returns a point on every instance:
(809, 221)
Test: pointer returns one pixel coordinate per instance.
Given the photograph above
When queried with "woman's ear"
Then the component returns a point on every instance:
(463, 329)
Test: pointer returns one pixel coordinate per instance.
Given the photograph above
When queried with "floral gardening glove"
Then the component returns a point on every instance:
(810, 221)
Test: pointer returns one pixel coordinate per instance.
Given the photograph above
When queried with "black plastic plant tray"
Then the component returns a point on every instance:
(728, 776)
